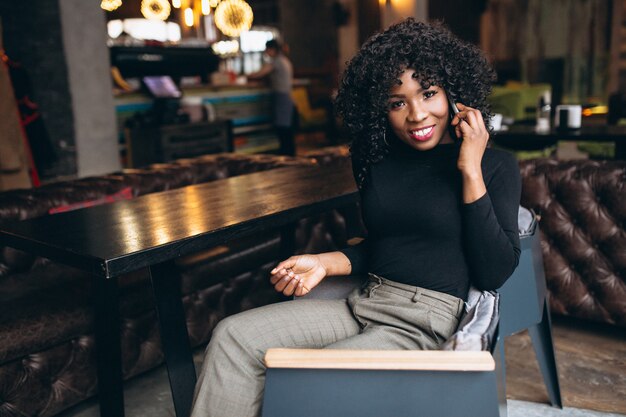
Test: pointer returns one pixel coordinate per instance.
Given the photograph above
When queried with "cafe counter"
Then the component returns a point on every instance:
(247, 107)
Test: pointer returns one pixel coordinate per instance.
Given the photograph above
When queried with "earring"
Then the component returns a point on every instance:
(385, 137)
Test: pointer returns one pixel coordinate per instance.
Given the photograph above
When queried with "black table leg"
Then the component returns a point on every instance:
(174, 336)
(108, 349)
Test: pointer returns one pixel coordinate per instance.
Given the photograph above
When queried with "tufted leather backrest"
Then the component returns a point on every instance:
(582, 206)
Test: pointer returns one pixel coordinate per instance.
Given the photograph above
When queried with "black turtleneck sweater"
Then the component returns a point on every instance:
(421, 233)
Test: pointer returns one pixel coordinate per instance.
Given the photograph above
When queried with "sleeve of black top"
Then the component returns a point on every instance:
(490, 231)
(357, 255)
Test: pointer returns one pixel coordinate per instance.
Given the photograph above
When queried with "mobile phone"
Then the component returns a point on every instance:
(455, 110)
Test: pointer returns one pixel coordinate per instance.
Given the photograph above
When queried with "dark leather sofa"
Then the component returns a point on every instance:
(582, 205)
(47, 357)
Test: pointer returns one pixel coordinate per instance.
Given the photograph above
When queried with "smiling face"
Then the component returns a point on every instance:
(419, 117)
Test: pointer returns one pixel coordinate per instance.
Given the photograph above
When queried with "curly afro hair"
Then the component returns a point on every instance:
(436, 55)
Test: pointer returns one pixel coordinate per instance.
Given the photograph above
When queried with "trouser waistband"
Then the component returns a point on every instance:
(411, 291)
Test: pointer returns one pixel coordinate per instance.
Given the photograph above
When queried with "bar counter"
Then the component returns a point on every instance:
(526, 137)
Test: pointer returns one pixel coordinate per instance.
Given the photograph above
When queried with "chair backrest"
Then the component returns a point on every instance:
(300, 96)
(524, 293)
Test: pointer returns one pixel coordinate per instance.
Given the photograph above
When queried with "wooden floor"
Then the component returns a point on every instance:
(591, 360)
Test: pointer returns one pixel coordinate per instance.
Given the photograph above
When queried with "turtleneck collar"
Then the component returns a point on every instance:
(400, 149)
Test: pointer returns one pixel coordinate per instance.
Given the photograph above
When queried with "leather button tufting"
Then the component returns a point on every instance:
(583, 197)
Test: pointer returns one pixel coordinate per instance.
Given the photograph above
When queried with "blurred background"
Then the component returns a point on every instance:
(104, 78)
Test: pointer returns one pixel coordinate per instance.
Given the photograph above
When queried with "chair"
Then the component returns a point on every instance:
(361, 383)
(371, 383)
(309, 118)
(525, 304)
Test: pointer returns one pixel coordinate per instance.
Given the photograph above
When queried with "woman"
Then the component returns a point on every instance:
(440, 208)
(279, 72)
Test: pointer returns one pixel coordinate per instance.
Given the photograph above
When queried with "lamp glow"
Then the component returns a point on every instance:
(205, 7)
(155, 9)
(189, 17)
(214, 3)
(176, 4)
(233, 17)
(110, 5)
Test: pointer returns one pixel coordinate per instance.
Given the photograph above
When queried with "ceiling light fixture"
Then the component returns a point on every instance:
(155, 9)
(233, 17)
(205, 7)
(189, 17)
(110, 5)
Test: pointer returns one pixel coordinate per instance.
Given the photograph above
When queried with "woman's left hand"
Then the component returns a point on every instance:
(470, 127)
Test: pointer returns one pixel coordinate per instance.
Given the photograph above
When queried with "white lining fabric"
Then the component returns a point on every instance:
(479, 322)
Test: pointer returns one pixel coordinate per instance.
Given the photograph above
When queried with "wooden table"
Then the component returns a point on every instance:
(524, 137)
(151, 232)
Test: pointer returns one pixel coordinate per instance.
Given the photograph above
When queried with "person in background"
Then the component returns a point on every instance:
(279, 73)
(440, 209)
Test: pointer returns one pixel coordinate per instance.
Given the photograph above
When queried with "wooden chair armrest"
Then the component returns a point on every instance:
(410, 360)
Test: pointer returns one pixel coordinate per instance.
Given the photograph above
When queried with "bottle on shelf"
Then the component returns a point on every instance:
(543, 113)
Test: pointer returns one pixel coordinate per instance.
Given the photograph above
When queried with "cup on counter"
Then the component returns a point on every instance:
(568, 116)
(496, 122)
(194, 108)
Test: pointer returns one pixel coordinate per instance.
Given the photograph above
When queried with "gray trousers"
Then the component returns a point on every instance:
(382, 315)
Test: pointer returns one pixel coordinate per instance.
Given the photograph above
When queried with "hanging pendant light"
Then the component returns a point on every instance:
(233, 17)
(177, 4)
(155, 9)
(110, 5)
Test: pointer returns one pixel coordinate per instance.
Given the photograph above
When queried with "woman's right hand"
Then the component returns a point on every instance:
(298, 274)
